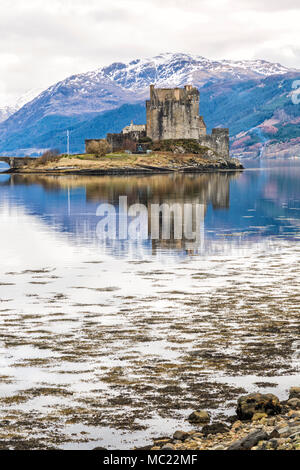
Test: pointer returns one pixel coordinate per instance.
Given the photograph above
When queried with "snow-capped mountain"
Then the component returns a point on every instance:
(110, 87)
(179, 69)
(119, 83)
(5, 112)
(79, 99)
(11, 107)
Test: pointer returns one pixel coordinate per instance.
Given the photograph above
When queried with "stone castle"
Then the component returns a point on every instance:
(172, 114)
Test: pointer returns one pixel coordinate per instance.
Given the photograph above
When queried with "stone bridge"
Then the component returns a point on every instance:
(16, 162)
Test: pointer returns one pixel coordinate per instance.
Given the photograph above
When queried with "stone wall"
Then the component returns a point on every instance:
(218, 141)
(17, 162)
(125, 141)
(173, 113)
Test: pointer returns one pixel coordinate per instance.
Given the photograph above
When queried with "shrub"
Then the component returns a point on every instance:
(48, 156)
(178, 146)
(145, 140)
(98, 147)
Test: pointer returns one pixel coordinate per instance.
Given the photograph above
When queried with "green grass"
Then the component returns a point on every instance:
(119, 155)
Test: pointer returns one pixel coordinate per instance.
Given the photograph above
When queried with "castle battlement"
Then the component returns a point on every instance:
(160, 95)
(173, 113)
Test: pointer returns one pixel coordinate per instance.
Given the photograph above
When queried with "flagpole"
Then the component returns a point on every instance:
(68, 143)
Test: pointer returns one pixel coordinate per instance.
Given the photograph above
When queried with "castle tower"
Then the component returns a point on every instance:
(173, 113)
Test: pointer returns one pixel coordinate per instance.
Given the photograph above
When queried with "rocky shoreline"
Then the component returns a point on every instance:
(261, 422)
(140, 166)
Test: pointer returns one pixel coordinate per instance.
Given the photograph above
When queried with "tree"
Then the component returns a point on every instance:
(51, 155)
(100, 148)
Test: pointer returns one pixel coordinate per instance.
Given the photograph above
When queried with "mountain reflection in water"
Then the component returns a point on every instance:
(239, 208)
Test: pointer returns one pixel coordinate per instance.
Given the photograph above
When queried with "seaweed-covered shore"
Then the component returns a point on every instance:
(261, 422)
(90, 359)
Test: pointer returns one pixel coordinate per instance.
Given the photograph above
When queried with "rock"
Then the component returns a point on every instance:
(236, 425)
(259, 416)
(249, 441)
(180, 435)
(294, 403)
(295, 432)
(294, 393)
(162, 440)
(199, 417)
(282, 432)
(179, 149)
(294, 425)
(216, 428)
(197, 435)
(294, 414)
(231, 419)
(143, 448)
(210, 154)
(273, 443)
(168, 447)
(249, 405)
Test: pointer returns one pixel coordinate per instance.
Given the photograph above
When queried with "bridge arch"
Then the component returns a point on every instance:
(5, 164)
(16, 162)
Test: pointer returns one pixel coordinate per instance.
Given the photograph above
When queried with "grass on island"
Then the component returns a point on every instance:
(89, 157)
(115, 160)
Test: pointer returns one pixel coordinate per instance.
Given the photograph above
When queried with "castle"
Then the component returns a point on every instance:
(172, 114)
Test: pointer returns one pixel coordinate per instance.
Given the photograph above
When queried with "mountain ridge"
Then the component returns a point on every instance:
(7, 109)
(87, 98)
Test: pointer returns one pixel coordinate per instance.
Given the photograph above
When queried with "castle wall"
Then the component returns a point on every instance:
(134, 128)
(174, 114)
(125, 141)
(116, 141)
(218, 141)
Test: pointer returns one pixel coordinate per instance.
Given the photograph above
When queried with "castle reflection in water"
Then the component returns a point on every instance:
(238, 207)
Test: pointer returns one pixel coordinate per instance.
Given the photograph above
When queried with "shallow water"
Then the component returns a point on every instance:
(111, 342)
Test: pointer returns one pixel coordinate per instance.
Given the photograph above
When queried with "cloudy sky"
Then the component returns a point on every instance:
(43, 42)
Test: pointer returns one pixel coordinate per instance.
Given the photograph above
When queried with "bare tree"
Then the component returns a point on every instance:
(51, 155)
(100, 148)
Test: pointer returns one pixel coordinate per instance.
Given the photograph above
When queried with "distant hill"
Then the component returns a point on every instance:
(253, 98)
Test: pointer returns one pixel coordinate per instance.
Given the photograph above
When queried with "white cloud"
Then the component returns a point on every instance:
(43, 42)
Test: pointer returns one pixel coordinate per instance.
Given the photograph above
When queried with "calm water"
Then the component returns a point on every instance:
(113, 325)
(258, 205)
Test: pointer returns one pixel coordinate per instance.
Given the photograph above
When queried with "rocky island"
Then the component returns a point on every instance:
(122, 163)
(174, 138)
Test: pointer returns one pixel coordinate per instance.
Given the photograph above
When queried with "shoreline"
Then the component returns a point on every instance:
(184, 166)
(261, 422)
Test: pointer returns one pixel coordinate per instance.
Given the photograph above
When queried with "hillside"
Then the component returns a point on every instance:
(251, 97)
(10, 107)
